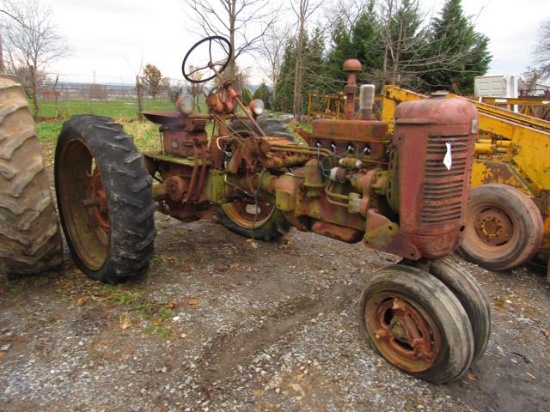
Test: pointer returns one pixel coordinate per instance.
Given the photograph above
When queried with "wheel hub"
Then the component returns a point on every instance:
(494, 227)
(98, 202)
(177, 188)
(248, 214)
(399, 330)
(404, 334)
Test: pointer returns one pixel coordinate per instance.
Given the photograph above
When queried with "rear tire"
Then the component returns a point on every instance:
(249, 217)
(30, 240)
(257, 221)
(105, 199)
(504, 228)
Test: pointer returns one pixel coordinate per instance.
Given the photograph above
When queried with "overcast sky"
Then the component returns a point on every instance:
(113, 39)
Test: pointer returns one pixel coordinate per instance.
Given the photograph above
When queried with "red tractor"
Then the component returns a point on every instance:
(406, 196)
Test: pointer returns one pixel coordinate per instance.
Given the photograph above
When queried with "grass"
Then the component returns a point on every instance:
(48, 130)
(135, 308)
(146, 134)
(117, 108)
(123, 111)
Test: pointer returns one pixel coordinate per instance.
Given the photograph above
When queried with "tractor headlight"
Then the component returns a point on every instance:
(257, 106)
(185, 104)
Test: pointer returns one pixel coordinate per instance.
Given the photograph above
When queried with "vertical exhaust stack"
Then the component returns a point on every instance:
(351, 67)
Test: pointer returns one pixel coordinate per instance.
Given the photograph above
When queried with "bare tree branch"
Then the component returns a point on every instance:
(32, 43)
(303, 10)
(243, 22)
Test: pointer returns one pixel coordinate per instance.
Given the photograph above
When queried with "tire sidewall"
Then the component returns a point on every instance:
(429, 294)
(528, 228)
(123, 252)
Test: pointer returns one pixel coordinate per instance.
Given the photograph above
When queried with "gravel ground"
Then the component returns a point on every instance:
(221, 323)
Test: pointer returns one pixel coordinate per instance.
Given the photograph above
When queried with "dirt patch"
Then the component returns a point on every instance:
(223, 323)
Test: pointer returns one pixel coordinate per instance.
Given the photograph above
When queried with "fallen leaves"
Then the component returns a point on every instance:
(472, 376)
(171, 305)
(252, 243)
(285, 244)
(125, 321)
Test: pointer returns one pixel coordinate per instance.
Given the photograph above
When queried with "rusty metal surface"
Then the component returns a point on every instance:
(520, 143)
(339, 135)
(405, 335)
(84, 202)
(181, 143)
(249, 213)
(164, 118)
(433, 195)
(352, 67)
(338, 185)
(493, 226)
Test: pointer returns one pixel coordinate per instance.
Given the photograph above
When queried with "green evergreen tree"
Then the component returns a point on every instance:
(246, 96)
(457, 53)
(404, 45)
(314, 80)
(361, 41)
(285, 83)
(263, 93)
(367, 40)
(341, 50)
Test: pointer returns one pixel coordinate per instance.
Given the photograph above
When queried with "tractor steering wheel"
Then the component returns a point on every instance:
(201, 73)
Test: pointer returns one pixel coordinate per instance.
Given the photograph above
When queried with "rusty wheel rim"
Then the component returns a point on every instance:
(493, 226)
(403, 332)
(248, 214)
(84, 204)
(493, 231)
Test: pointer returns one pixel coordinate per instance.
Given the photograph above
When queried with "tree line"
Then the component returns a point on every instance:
(394, 46)
(299, 45)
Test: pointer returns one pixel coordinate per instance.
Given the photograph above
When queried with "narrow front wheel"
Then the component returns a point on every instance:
(417, 324)
(472, 297)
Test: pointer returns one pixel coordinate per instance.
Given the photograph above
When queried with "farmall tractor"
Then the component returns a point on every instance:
(406, 196)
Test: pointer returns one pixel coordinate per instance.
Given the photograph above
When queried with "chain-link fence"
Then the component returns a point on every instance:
(125, 100)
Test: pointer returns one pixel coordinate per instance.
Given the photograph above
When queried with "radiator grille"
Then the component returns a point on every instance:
(443, 197)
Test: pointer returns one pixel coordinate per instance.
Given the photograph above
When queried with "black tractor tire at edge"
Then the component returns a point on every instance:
(30, 239)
